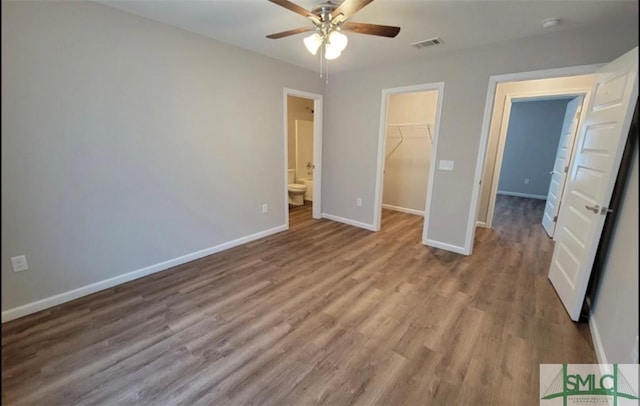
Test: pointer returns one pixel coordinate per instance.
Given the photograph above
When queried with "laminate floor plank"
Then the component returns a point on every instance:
(324, 313)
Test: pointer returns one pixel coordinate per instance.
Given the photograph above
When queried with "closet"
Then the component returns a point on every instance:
(408, 144)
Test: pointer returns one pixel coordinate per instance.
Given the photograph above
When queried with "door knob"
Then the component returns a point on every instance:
(595, 209)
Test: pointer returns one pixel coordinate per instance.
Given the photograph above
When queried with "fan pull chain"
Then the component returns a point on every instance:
(324, 66)
(327, 75)
(321, 67)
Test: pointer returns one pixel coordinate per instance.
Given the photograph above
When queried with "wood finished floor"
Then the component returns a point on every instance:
(325, 313)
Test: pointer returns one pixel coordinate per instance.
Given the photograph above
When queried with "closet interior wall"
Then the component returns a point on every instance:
(409, 137)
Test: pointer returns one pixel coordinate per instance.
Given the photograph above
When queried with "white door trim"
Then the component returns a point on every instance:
(486, 123)
(317, 150)
(377, 204)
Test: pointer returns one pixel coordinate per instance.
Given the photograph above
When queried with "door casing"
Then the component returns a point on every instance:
(377, 204)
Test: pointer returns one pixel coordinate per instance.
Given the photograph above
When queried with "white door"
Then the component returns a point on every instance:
(561, 165)
(591, 178)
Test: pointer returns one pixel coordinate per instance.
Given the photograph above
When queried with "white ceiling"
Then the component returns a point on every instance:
(460, 23)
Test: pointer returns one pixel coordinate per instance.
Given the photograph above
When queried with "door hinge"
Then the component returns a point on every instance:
(555, 219)
(566, 169)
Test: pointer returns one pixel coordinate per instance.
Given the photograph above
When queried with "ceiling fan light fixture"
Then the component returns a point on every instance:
(313, 42)
(328, 19)
(331, 52)
(338, 40)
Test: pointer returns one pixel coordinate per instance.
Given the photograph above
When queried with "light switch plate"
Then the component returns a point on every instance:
(445, 165)
(19, 263)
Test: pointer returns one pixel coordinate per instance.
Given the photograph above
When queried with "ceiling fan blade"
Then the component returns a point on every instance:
(371, 29)
(290, 32)
(350, 7)
(293, 7)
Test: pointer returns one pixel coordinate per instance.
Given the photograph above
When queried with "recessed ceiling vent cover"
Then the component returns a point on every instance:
(427, 43)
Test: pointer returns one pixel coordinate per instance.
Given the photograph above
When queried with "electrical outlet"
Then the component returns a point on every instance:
(265, 207)
(19, 263)
(526, 181)
(359, 202)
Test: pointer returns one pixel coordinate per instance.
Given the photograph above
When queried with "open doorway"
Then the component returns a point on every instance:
(527, 172)
(303, 153)
(407, 149)
(533, 158)
(529, 84)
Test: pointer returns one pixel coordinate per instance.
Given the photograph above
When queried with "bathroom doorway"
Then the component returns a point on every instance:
(303, 154)
(408, 140)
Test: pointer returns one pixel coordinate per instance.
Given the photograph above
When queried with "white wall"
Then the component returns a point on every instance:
(406, 171)
(615, 313)
(353, 114)
(126, 143)
(304, 150)
(531, 146)
(298, 108)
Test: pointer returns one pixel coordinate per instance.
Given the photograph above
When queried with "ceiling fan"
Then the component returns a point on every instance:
(328, 20)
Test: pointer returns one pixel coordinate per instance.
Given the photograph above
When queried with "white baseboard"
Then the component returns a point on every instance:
(403, 209)
(518, 194)
(442, 245)
(348, 221)
(597, 341)
(51, 301)
(481, 224)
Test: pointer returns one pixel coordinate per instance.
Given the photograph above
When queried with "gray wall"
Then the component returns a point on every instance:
(353, 113)
(531, 146)
(616, 304)
(126, 143)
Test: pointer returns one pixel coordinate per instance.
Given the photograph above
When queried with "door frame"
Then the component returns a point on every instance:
(425, 87)
(504, 132)
(494, 80)
(317, 150)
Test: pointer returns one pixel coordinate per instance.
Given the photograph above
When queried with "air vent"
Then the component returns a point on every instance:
(427, 43)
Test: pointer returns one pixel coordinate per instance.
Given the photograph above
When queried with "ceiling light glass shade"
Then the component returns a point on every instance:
(338, 39)
(313, 42)
(331, 52)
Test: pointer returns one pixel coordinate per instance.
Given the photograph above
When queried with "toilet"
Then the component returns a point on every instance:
(296, 190)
